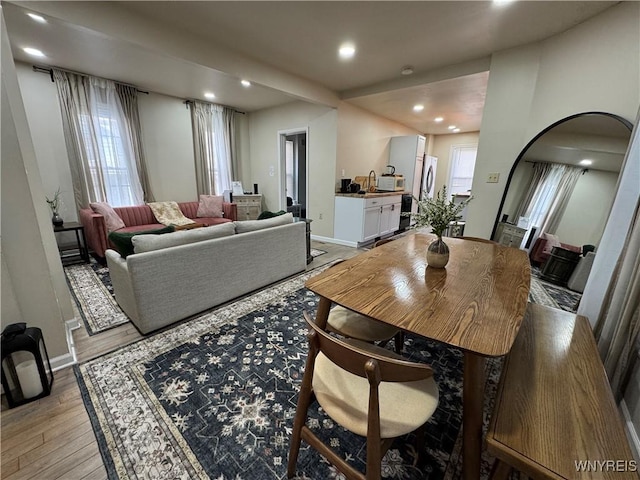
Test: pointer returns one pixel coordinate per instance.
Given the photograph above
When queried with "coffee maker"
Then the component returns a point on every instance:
(344, 185)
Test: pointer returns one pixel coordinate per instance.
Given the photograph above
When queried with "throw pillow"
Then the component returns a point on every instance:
(122, 243)
(552, 241)
(111, 218)
(210, 206)
(148, 243)
(169, 213)
(253, 225)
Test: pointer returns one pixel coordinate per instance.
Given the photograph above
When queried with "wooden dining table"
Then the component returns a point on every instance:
(475, 304)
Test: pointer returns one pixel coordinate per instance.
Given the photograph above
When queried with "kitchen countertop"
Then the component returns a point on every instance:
(370, 195)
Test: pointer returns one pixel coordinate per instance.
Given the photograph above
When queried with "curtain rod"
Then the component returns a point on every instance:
(584, 170)
(39, 69)
(190, 102)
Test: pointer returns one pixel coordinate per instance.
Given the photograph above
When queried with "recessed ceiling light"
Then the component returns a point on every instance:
(586, 162)
(456, 130)
(451, 127)
(37, 18)
(347, 50)
(418, 108)
(407, 70)
(245, 83)
(438, 119)
(209, 95)
(500, 3)
(33, 51)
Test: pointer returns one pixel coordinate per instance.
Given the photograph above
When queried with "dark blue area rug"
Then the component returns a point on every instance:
(215, 397)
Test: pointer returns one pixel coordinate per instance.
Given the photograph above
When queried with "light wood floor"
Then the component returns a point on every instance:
(52, 438)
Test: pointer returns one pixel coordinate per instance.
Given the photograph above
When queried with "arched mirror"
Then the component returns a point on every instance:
(593, 142)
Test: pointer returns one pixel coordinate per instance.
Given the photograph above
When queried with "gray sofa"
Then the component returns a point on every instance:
(159, 287)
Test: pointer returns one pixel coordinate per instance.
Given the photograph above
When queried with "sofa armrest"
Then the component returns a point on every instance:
(121, 281)
(230, 211)
(95, 231)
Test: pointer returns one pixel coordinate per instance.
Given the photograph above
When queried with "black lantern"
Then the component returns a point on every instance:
(26, 371)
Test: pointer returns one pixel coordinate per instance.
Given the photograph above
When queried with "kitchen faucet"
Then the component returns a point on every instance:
(369, 181)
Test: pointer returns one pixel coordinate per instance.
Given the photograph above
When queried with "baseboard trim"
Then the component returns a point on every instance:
(336, 241)
(632, 434)
(68, 359)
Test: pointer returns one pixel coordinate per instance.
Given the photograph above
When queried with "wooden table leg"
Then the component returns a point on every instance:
(472, 405)
(323, 312)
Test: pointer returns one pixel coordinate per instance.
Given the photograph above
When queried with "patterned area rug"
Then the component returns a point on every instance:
(546, 293)
(215, 397)
(92, 291)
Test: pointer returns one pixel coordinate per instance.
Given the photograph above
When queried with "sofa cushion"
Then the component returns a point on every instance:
(253, 225)
(169, 213)
(122, 243)
(111, 219)
(210, 206)
(148, 243)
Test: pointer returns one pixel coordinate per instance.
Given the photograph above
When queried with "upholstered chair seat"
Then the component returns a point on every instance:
(404, 406)
(351, 324)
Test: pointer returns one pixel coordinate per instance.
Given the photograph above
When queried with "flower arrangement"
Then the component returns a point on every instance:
(54, 203)
(437, 212)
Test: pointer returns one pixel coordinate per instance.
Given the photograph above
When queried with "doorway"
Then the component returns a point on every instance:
(294, 188)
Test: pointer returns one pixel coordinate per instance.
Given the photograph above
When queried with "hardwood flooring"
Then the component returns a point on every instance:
(52, 438)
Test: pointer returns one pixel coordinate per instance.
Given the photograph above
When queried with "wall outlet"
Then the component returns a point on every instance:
(320, 217)
(493, 178)
(272, 171)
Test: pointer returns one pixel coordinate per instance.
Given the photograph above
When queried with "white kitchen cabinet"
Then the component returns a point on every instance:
(359, 220)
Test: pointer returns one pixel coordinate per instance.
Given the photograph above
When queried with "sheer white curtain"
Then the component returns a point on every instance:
(213, 147)
(104, 166)
(552, 186)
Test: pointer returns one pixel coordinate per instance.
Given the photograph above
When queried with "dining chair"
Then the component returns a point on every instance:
(370, 391)
(350, 324)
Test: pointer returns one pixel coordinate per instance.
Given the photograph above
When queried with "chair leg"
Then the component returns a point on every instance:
(399, 341)
(296, 436)
(304, 400)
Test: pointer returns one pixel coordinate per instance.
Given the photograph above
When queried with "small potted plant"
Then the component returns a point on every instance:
(54, 205)
(438, 213)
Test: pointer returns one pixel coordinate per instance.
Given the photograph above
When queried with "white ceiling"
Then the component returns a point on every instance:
(289, 49)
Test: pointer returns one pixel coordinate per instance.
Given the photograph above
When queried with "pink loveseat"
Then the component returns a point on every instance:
(542, 249)
(140, 218)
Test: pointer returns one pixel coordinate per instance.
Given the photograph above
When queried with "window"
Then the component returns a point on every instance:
(463, 162)
(107, 156)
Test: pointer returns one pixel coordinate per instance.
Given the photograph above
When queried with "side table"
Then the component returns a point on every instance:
(80, 246)
(308, 222)
(560, 265)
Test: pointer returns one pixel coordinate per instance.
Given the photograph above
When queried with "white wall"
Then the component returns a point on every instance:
(586, 214)
(31, 267)
(363, 141)
(263, 152)
(168, 145)
(41, 104)
(592, 67)
(441, 148)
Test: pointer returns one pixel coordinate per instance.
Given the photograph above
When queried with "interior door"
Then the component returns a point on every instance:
(294, 190)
